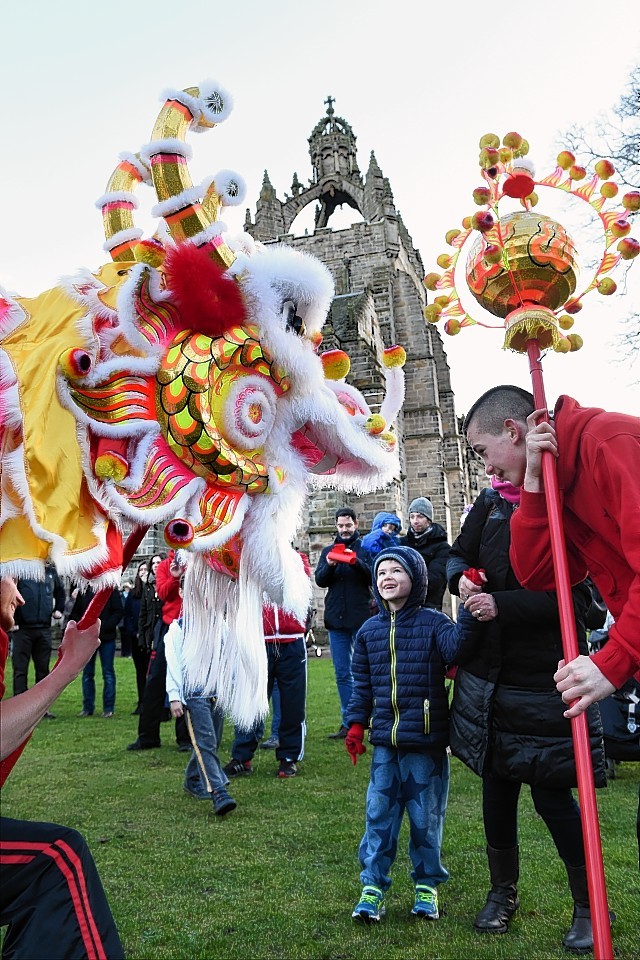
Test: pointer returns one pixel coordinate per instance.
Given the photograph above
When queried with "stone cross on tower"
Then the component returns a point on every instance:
(330, 102)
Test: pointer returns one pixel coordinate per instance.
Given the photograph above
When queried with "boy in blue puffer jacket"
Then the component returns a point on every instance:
(399, 662)
(384, 534)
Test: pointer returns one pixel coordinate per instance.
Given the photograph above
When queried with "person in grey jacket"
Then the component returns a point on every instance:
(430, 540)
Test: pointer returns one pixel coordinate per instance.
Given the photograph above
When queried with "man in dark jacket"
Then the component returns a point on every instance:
(42, 600)
(430, 540)
(343, 569)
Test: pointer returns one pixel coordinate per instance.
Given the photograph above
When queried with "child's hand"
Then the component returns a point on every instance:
(177, 710)
(353, 742)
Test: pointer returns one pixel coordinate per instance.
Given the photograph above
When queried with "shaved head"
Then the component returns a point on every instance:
(490, 411)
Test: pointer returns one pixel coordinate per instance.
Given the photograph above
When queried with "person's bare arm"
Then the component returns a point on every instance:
(21, 714)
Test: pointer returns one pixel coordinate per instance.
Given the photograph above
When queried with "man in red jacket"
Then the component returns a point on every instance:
(152, 710)
(51, 896)
(598, 463)
(287, 663)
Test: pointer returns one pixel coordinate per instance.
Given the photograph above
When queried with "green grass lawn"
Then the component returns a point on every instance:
(278, 878)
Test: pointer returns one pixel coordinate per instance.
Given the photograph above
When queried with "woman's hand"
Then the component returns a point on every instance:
(482, 606)
(467, 587)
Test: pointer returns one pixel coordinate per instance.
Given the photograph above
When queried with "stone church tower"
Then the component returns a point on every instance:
(379, 302)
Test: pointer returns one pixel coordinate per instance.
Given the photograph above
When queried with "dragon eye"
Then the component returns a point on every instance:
(291, 319)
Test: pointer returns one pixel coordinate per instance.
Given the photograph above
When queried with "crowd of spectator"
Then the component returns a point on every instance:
(390, 646)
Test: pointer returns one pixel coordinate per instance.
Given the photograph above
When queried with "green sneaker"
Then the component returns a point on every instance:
(370, 907)
(426, 903)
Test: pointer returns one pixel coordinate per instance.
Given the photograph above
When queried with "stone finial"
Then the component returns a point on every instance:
(267, 192)
(330, 102)
(374, 167)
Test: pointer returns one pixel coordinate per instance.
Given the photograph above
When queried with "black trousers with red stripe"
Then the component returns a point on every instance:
(51, 896)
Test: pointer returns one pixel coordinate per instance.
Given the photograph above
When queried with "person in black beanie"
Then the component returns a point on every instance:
(430, 540)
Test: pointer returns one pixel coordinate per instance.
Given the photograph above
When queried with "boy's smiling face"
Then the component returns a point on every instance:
(394, 583)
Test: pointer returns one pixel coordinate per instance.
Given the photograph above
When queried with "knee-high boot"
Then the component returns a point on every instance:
(579, 937)
(502, 900)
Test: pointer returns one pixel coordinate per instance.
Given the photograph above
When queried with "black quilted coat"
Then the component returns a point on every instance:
(507, 716)
(399, 664)
(346, 605)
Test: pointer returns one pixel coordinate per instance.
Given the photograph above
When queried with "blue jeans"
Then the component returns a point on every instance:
(341, 645)
(418, 783)
(106, 652)
(205, 775)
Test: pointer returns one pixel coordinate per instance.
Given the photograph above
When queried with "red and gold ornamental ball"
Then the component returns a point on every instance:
(523, 267)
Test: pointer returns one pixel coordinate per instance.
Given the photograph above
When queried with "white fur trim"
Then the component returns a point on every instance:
(278, 273)
(215, 229)
(225, 655)
(230, 187)
(203, 544)
(241, 243)
(136, 162)
(394, 395)
(127, 309)
(198, 106)
(186, 99)
(133, 427)
(167, 145)
(183, 502)
(215, 100)
(189, 196)
(122, 236)
(23, 569)
(115, 195)
(11, 317)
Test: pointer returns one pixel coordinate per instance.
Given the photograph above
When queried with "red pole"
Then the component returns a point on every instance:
(602, 945)
(94, 609)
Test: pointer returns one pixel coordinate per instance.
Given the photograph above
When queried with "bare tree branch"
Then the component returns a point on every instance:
(615, 136)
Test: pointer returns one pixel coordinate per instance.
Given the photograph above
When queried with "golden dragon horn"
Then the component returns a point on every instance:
(189, 215)
(118, 203)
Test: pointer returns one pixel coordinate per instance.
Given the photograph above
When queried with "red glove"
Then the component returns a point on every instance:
(342, 554)
(477, 577)
(353, 742)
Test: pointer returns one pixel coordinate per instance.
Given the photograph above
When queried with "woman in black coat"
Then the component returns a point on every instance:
(140, 651)
(150, 613)
(507, 720)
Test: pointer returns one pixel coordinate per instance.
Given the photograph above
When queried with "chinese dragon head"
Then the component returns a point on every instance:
(181, 384)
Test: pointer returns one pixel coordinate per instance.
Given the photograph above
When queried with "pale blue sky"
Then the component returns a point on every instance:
(419, 85)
